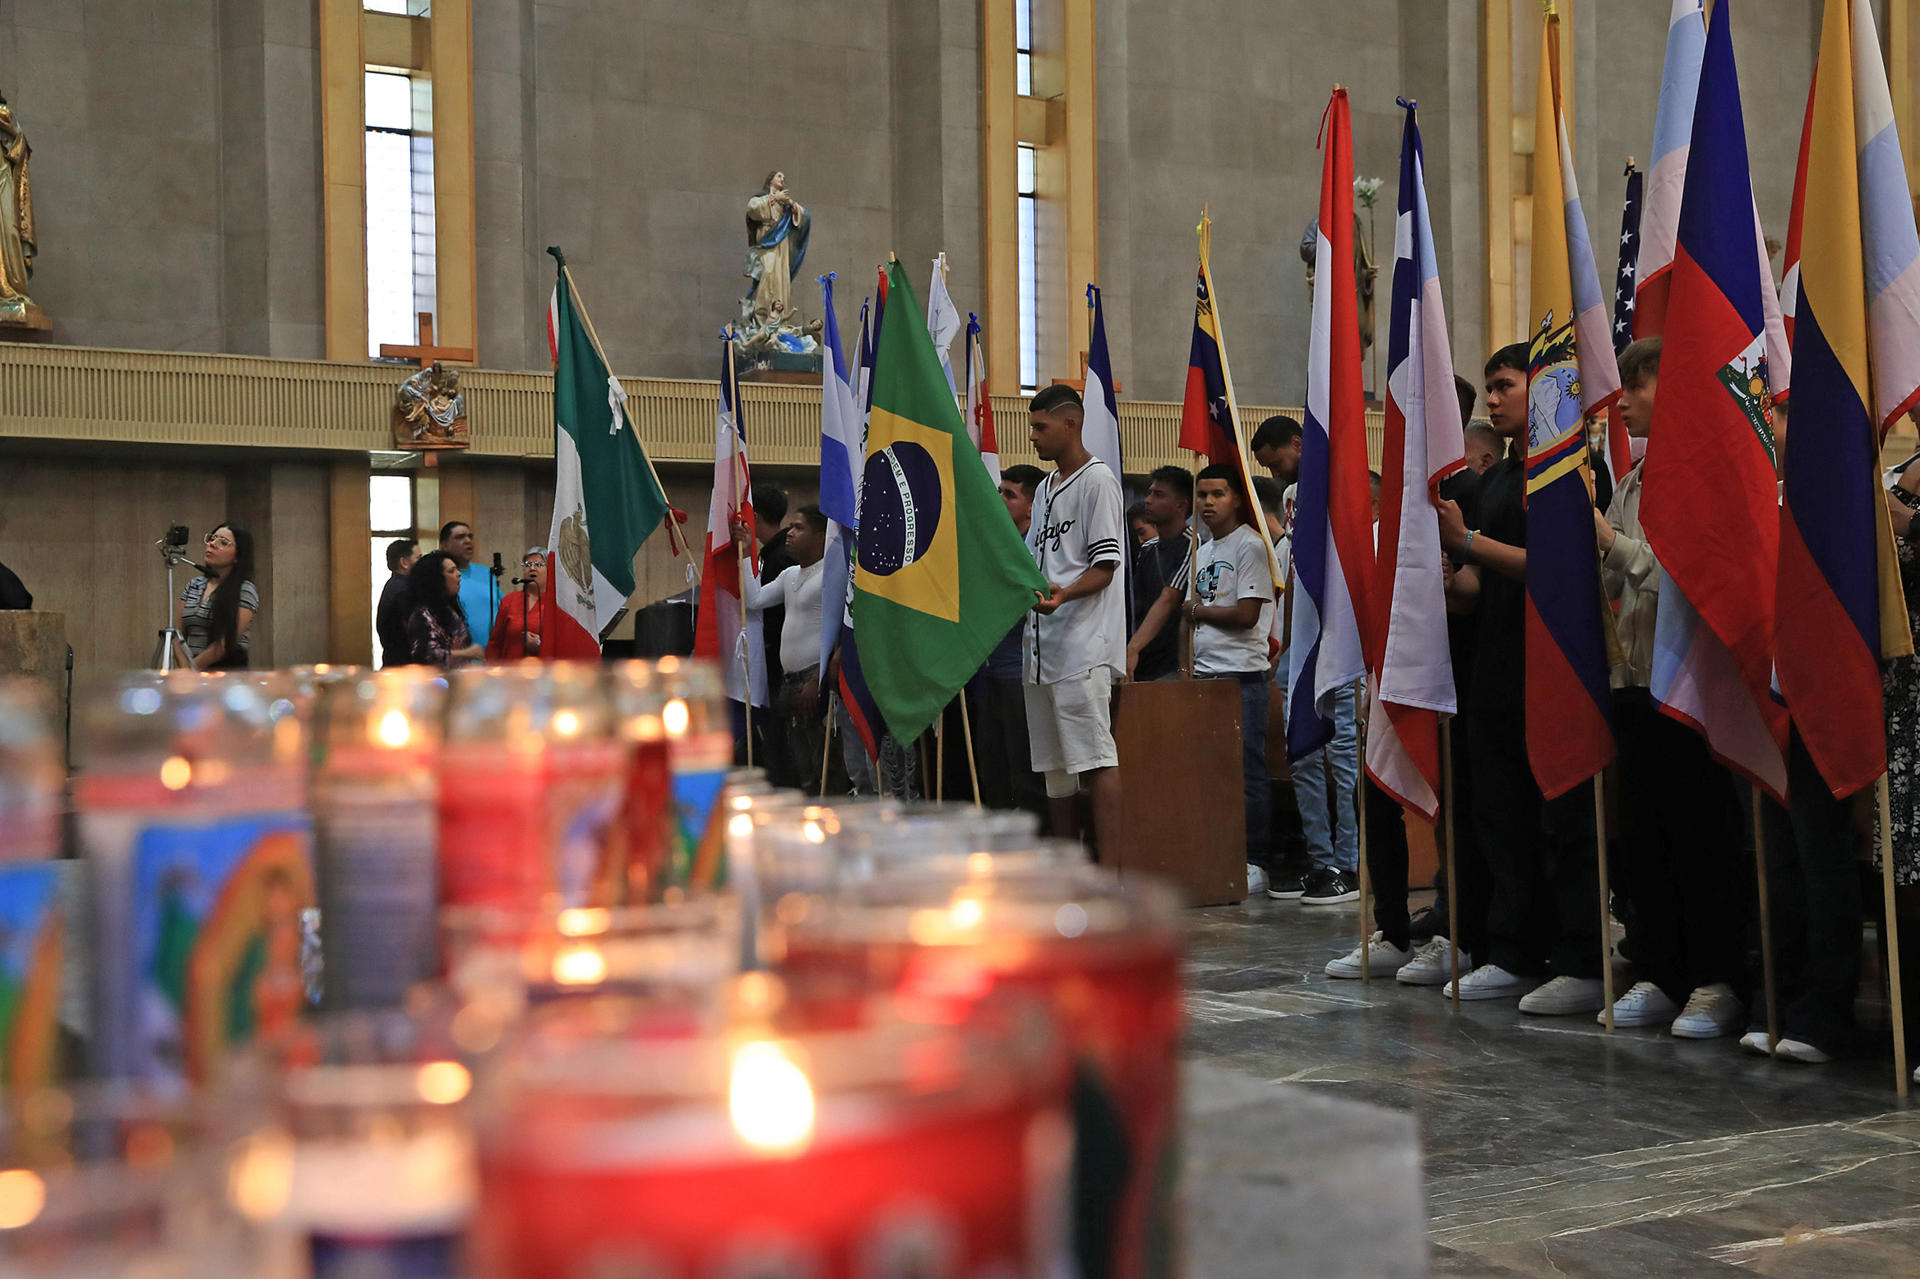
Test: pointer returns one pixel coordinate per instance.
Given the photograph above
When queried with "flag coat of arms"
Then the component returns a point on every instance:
(1572, 377)
(942, 573)
(1413, 678)
(1856, 348)
(721, 633)
(1713, 433)
(606, 500)
(1333, 550)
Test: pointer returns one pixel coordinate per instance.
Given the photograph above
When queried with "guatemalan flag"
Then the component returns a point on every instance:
(980, 403)
(1332, 519)
(1856, 354)
(1101, 431)
(1572, 378)
(943, 323)
(1673, 136)
(1713, 433)
(1412, 685)
(721, 634)
(841, 447)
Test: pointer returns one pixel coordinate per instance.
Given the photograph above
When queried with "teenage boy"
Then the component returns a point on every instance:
(1155, 654)
(1076, 639)
(1541, 921)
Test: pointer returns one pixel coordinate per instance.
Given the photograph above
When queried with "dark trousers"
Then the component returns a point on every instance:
(1007, 779)
(1387, 860)
(1255, 783)
(1684, 867)
(804, 739)
(1813, 894)
(1543, 912)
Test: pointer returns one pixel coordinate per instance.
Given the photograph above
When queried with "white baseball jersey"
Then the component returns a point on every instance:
(1079, 522)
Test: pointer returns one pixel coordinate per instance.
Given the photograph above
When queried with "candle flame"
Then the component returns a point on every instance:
(579, 966)
(261, 1180)
(442, 1083)
(677, 717)
(740, 824)
(393, 731)
(22, 1195)
(967, 913)
(770, 1099)
(176, 772)
(583, 921)
(567, 723)
(813, 833)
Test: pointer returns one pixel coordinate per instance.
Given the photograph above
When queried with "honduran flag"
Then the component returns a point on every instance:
(1666, 185)
(1332, 519)
(1101, 430)
(1573, 377)
(1856, 341)
(842, 444)
(1713, 433)
(1412, 685)
(722, 634)
(980, 402)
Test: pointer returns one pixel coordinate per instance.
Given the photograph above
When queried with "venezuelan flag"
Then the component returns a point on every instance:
(1573, 376)
(1840, 608)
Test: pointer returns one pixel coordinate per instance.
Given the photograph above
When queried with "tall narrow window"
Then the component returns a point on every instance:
(389, 516)
(1023, 47)
(1029, 274)
(400, 244)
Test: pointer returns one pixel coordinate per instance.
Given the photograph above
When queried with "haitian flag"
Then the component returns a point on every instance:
(943, 574)
(1412, 685)
(1840, 610)
(1572, 377)
(1333, 552)
(1713, 433)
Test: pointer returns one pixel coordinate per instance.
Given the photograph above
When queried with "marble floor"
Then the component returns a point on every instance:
(1549, 1148)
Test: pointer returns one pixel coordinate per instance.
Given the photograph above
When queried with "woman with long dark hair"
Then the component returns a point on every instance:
(217, 609)
(437, 633)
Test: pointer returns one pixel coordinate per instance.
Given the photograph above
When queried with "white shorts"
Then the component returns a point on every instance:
(1070, 728)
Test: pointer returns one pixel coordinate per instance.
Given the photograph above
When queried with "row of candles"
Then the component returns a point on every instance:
(507, 973)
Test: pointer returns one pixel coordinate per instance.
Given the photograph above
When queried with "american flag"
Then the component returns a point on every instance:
(1629, 260)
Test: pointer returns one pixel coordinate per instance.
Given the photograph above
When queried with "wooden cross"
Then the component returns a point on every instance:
(1079, 385)
(426, 352)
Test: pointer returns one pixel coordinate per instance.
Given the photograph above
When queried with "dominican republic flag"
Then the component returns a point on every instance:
(1573, 378)
(1333, 551)
(1412, 685)
(606, 499)
(1101, 431)
(721, 633)
(1660, 222)
(841, 447)
(943, 324)
(1856, 351)
(1713, 433)
(1790, 256)
(980, 403)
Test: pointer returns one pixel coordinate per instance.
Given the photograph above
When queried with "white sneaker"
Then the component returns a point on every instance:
(1256, 880)
(1383, 958)
(1564, 996)
(1801, 1051)
(1756, 1041)
(1645, 1005)
(1490, 981)
(1711, 1012)
(1432, 964)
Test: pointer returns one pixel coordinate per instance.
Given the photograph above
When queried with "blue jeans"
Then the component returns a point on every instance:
(1257, 785)
(1323, 787)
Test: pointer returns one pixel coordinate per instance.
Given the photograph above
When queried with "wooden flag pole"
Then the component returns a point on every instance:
(940, 754)
(966, 732)
(1766, 921)
(826, 750)
(1606, 906)
(746, 653)
(1453, 874)
(1893, 938)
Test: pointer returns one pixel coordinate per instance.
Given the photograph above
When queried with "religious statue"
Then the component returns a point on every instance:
(431, 413)
(770, 331)
(1365, 273)
(16, 227)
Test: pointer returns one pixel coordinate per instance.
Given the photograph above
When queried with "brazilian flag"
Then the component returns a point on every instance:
(943, 574)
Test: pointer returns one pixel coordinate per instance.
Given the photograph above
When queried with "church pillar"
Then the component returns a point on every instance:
(350, 574)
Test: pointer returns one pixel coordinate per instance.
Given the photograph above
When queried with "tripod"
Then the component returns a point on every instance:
(166, 654)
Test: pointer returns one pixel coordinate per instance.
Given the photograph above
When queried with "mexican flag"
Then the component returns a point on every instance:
(943, 574)
(606, 497)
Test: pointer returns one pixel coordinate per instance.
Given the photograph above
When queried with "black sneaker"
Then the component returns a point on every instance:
(1286, 884)
(1330, 888)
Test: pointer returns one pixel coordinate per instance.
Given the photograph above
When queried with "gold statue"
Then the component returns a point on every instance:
(16, 226)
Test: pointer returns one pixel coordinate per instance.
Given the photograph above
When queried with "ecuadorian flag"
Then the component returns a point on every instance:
(1573, 376)
(1840, 609)
(943, 573)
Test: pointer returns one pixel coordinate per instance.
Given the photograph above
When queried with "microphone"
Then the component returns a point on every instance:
(523, 581)
(497, 569)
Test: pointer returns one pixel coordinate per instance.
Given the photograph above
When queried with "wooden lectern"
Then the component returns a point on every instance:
(1182, 811)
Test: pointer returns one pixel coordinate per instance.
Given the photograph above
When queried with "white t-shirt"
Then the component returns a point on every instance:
(1079, 522)
(1232, 568)
(798, 588)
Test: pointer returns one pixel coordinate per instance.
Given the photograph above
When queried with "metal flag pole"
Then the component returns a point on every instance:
(1766, 921)
(1606, 912)
(1453, 874)
(1359, 801)
(1893, 938)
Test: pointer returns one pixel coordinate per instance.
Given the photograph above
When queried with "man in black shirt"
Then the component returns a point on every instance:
(1169, 504)
(390, 618)
(1541, 917)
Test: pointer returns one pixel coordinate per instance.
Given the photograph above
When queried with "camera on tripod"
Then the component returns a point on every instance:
(173, 547)
(168, 652)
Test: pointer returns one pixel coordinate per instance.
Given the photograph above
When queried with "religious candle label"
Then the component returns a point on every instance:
(379, 891)
(493, 829)
(700, 763)
(40, 946)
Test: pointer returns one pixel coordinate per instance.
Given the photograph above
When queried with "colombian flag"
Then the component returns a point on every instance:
(1856, 343)
(1573, 377)
(943, 573)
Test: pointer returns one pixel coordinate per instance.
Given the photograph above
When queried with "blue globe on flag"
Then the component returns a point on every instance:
(900, 507)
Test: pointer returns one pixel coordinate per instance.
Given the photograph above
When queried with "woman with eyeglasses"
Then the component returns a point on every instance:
(522, 618)
(217, 609)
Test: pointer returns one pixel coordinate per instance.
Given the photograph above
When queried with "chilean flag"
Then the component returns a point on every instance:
(1412, 685)
(980, 403)
(722, 634)
(1333, 550)
(1713, 433)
